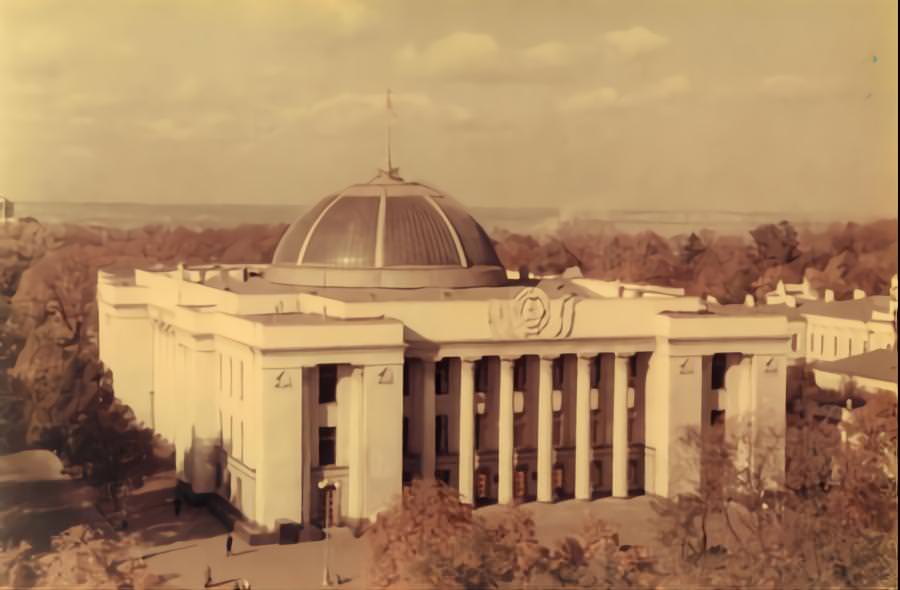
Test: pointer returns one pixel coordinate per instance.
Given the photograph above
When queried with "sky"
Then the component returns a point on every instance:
(762, 105)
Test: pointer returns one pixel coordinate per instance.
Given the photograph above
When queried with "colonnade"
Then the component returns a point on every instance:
(425, 387)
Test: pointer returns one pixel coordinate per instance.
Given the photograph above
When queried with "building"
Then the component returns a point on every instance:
(386, 342)
(853, 340)
(7, 210)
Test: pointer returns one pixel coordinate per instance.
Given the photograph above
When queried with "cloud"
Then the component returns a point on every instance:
(788, 87)
(336, 17)
(606, 97)
(548, 54)
(599, 98)
(458, 55)
(347, 111)
(634, 42)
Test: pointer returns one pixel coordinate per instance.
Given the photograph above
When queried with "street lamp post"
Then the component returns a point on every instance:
(326, 574)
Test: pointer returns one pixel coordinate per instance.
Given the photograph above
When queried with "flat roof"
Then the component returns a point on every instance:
(849, 309)
(878, 364)
(308, 319)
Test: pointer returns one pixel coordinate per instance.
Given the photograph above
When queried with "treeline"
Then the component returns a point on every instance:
(842, 257)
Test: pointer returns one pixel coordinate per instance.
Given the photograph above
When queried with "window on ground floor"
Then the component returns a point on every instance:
(482, 485)
(596, 428)
(521, 482)
(595, 371)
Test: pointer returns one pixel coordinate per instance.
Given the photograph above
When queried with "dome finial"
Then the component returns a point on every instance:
(389, 169)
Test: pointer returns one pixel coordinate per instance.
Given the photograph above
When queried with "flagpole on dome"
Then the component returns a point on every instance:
(389, 108)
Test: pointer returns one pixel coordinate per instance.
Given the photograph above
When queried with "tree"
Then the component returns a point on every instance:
(430, 539)
(831, 523)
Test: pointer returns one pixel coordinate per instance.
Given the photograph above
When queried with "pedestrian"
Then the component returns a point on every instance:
(208, 577)
(228, 543)
(177, 505)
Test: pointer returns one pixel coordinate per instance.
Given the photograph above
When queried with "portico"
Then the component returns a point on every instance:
(403, 354)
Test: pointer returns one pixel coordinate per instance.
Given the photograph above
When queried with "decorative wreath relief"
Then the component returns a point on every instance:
(533, 307)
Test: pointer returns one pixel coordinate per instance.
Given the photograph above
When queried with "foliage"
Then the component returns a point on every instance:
(831, 523)
(842, 257)
(429, 539)
(80, 557)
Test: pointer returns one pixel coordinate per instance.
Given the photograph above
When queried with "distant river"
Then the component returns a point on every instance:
(536, 221)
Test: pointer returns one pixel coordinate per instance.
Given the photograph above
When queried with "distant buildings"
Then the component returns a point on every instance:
(386, 342)
(843, 342)
(7, 210)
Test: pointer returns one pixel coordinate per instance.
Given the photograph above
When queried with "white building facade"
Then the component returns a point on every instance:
(385, 342)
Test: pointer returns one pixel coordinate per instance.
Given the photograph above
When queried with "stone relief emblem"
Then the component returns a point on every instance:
(283, 381)
(532, 313)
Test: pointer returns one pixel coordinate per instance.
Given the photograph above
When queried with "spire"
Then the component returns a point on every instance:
(389, 110)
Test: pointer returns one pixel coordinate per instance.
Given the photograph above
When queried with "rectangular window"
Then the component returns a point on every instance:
(441, 434)
(327, 445)
(559, 478)
(557, 430)
(519, 431)
(481, 376)
(719, 367)
(850, 346)
(822, 344)
(442, 377)
(632, 370)
(405, 435)
(595, 372)
(598, 469)
(482, 485)
(632, 424)
(558, 377)
(520, 489)
(632, 473)
(794, 342)
(327, 384)
(477, 431)
(596, 428)
(520, 368)
(407, 377)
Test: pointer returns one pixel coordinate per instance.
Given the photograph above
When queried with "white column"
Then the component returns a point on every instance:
(467, 430)
(426, 390)
(620, 427)
(505, 446)
(545, 431)
(583, 428)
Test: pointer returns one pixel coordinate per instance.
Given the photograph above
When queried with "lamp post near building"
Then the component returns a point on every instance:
(327, 485)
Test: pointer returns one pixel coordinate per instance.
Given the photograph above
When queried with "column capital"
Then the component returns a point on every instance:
(470, 358)
(509, 358)
(549, 356)
(588, 355)
(624, 355)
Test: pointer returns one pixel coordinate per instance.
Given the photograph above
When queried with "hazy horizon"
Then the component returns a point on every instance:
(663, 106)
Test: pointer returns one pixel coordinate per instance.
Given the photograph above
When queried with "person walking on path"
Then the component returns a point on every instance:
(208, 577)
(228, 543)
